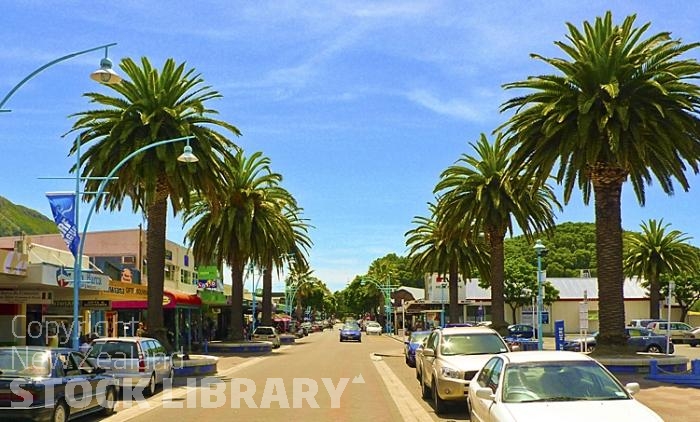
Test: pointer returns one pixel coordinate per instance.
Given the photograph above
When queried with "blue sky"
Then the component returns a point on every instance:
(359, 105)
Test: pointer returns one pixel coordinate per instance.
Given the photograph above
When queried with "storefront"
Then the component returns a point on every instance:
(213, 304)
(181, 313)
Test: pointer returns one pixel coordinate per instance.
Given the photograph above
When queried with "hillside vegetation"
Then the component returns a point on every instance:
(16, 219)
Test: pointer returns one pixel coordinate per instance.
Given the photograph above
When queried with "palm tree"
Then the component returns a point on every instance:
(488, 193)
(432, 248)
(231, 227)
(654, 252)
(154, 105)
(623, 107)
(290, 242)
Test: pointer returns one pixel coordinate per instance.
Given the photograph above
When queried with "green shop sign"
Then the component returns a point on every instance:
(208, 273)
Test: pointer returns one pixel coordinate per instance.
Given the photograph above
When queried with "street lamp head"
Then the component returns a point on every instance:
(539, 247)
(187, 156)
(105, 74)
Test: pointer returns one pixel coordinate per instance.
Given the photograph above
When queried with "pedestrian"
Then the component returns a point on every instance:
(141, 331)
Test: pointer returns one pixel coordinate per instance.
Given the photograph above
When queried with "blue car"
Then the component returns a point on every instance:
(639, 340)
(350, 332)
(411, 344)
(49, 384)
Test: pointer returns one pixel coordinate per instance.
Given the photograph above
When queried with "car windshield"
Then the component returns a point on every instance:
(351, 327)
(559, 381)
(21, 362)
(472, 344)
(264, 331)
(373, 324)
(418, 337)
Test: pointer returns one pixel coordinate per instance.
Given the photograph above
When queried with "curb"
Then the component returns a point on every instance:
(244, 348)
(195, 365)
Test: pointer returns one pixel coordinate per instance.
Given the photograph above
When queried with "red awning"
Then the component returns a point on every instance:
(179, 299)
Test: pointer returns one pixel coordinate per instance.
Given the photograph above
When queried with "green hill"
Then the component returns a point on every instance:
(16, 219)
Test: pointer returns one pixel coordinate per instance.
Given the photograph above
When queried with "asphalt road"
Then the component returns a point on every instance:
(321, 379)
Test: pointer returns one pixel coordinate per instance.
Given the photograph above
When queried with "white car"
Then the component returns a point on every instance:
(373, 327)
(552, 386)
(450, 359)
(264, 333)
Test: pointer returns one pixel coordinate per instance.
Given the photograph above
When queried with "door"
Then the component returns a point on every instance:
(79, 392)
(428, 361)
(480, 407)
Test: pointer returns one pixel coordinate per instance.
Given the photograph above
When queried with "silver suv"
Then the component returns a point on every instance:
(133, 361)
(450, 359)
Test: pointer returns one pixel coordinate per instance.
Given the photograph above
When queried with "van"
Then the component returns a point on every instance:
(133, 361)
(680, 331)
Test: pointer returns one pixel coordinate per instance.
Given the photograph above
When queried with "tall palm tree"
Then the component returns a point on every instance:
(153, 105)
(285, 242)
(488, 193)
(654, 252)
(433, 248)
(231, 227)
(623, 107)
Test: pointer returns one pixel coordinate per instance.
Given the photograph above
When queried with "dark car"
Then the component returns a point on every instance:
(411, 344)
(350, 332)
(521, 331)
(49, 384)
(640, 340)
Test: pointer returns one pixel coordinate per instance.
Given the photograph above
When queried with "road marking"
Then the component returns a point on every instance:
(409, 408)
(140, 407)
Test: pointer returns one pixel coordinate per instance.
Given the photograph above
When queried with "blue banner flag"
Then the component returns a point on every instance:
(63, 209)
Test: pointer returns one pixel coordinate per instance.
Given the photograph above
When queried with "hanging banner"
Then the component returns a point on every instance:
(63, 209)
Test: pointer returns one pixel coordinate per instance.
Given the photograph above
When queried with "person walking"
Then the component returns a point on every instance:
(141, 331)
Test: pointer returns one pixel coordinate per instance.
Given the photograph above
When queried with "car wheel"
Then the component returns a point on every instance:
(151, 387)
(654, 349)
(109, 401)
(60, 413)
(438, 403)
(424, 389)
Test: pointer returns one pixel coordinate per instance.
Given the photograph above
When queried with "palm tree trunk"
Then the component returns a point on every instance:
(236, 329)
(267, 294)
(454, 292)
(496, 239)
(607, 186)
(155, 252)
(654, 296)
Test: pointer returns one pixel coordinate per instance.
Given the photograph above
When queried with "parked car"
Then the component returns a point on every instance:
(62, 373)
(551, 386)
(696, 337)
(411, 344)
(640, 340)
(521, 331)
(265, 333)
(450, 359)
(350, 332)
(133, 361)
(643, 323)
(373, 327)
(680, 331)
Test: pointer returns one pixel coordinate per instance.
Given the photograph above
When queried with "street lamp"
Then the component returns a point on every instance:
(386, 290)
(104, 74)
(540, 250)
(186, 157)
(254, 310)
(443, 285)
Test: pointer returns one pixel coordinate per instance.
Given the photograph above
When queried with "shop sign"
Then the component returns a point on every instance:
(94, 305)
(166, 300)
(13, 263)
(34, 297)
(126, 289)
(63, 277)
(208, 284)
(207, 272)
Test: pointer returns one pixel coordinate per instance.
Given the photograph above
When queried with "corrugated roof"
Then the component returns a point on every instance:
(569, 288)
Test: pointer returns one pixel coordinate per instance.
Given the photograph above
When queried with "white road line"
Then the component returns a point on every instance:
(409, 408)
(139, 408)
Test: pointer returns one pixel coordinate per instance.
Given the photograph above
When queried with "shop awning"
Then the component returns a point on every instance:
(170, 300)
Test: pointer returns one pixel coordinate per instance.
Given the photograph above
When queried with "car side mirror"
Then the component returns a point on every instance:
(632, 388)
(485, 393)
(429, 352)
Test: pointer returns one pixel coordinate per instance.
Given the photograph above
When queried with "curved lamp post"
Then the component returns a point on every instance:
(540, 250)
(254, 310)
(104, 74)
(290, 293)
(187, 157)
(386, 290)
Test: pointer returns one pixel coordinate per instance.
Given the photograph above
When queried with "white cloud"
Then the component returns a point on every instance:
(460, 109)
